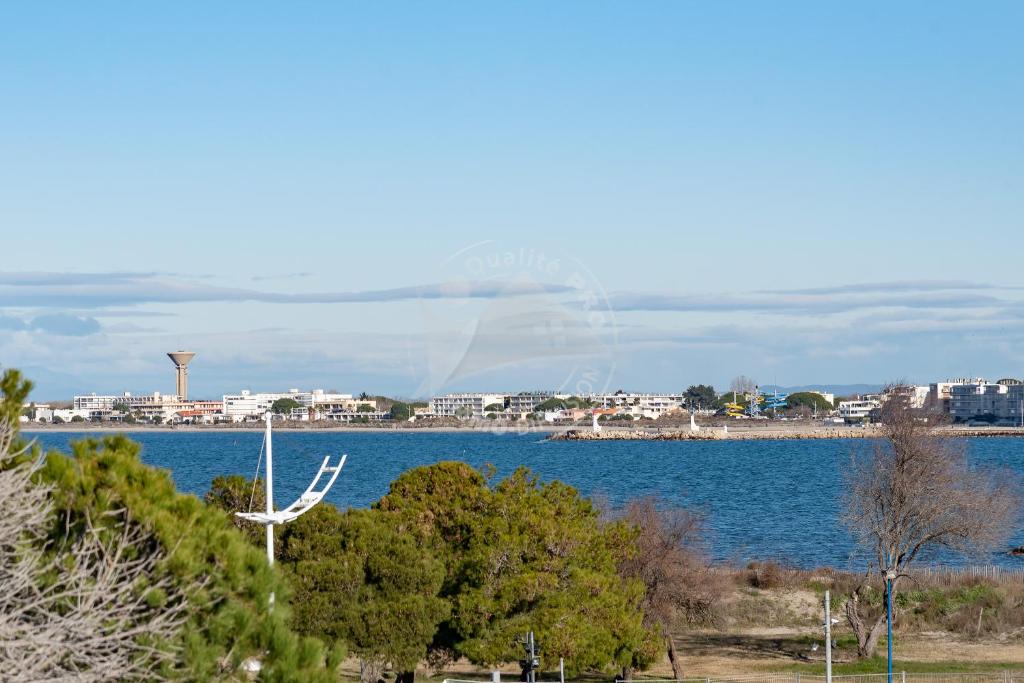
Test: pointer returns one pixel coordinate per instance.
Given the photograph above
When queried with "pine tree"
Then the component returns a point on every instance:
(523, 556)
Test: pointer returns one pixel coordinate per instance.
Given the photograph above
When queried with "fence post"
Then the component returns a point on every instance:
(903, 677)
(798, 677)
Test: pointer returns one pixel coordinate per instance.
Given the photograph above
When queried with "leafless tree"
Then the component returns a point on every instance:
(914, 493)
(742, 385)
(93, 611)
(680, 587)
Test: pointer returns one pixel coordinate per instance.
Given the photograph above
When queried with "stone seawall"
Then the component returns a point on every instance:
(720, 434)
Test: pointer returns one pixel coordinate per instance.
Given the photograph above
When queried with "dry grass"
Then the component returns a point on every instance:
(768, 619)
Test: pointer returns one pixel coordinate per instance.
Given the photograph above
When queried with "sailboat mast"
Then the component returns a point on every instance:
(270, 493)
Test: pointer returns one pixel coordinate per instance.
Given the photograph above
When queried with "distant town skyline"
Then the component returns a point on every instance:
(419, 199)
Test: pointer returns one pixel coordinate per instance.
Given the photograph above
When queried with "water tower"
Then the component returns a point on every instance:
(181, 359)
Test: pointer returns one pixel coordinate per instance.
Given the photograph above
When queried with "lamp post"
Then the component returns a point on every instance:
(828, 640)
(889, 576)
(532, 661)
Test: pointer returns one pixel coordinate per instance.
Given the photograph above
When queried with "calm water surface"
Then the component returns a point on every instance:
(764, 499)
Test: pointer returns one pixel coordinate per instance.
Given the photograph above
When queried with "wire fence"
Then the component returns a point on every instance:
(952, 575)
(897, 677)
(925, 575)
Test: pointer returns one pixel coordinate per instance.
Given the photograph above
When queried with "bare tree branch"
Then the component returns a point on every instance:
(914, 494)
(94, 611)
(669, 561)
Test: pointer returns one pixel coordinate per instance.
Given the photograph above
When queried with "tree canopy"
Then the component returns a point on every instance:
(450, 563)
(700, 396)
(234, 493)
(521, 556)
(15, 390)
(283, 406)
(361, 581)
(400, 411)
(809, 399)
(552, 404)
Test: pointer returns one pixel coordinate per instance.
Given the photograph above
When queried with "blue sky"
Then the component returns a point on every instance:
(308, 195)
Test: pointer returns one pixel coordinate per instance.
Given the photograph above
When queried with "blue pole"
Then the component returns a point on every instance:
(888, 619)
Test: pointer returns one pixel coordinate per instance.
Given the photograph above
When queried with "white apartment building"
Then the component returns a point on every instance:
(92, 402)
(569, 415)
(471, 405)
(858, 410)
(464, 405)
(651, 406)
(939, 393)
(1002, 401)
(68, 414)
(315, 415)
(325, 402)
(526, 402)
(166, 407)
(246, 405)
(917, 396)
(310, 399)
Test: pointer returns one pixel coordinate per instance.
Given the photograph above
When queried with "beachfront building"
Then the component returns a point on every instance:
(316, 404)
(651, 406)
(325, 402)
(36, 412)
(68, 415)
(941, 393)
(916, 396)
(147, 407)
(319, 405)
(522, 404)
(519, 405)
(858, 410)
(314, 415)
(197, 412)
(246, 405)
(465, 405)
(998, 402)
(92, 402)
(565, 415)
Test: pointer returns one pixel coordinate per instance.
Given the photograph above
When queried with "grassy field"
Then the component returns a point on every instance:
(768, 620)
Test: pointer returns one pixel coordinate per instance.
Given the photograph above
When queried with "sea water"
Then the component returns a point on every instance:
(763, 500)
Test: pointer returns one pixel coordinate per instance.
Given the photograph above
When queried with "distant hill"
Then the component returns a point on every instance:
(837, 389)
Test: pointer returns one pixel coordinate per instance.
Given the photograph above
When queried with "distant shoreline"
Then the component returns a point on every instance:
(765, 433)
(80, 428)
(738, 431)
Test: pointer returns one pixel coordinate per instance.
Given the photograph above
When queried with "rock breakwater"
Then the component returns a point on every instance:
(721, 434)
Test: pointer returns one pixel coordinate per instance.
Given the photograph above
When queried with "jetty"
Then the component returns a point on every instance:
(766, 432)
